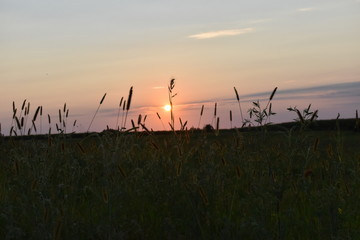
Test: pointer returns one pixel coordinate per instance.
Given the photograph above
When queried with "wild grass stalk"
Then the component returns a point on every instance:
(118, 114)
(171, 96)
(101, 101)
(139, 120)
(182, 125)
(59, 126)
(128, 103)
(214, 116)
(201, 113)
(262, 115)
(49, 122)
(162, 123)
(238, 100)
(74, 125)
(34, 119)
(26, 116)
(41, 117)
(13, 116)
(123, 115)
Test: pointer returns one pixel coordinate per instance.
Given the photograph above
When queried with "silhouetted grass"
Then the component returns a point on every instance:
(298, 180)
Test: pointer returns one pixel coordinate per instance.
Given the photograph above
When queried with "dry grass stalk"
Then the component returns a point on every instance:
(215, 109)
(139, 119)
(272, 94)
(133, 124)
(300, 116)
(60, 118)
(171, 96)
(158, 115)
(34, 119)
(201, 113)
(238, 99)
(11, 130)
(101, 101)
(128, 104)
(23, 105)
(74, 124)
(34, 126)
(40, 119)
(314, 116)
(18, 123)
(145, 128)
(182, 125)
(214, 117)
(118, 114)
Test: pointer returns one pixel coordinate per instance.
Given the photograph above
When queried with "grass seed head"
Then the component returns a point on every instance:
(272, 94)
(237, 95)
(121, 100)
(60, 120)
(215, 109)
(23, 105)
(36, 114)
(129, 99)
(102, 99)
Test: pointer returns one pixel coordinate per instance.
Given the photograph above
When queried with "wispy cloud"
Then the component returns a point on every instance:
(158, 87)
(222, 33)
(263, 20)
(305, 9)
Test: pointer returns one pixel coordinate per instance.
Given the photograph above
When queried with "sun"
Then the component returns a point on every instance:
(167, 108)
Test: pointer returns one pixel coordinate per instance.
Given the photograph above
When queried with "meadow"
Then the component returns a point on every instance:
(287, 181)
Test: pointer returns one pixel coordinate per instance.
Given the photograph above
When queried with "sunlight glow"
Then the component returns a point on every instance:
(167, 108)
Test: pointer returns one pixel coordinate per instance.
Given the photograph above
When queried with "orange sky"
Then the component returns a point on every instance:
(75, 51)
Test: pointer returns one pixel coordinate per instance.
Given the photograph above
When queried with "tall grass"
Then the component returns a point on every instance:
(128, 104)
(171, 96)
(290, 184)
(97, 110)
(238, 100)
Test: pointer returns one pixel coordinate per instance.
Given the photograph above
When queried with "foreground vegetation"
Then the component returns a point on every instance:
(289, 184)
(291, 181)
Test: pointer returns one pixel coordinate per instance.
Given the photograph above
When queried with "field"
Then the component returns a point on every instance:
(285, 183)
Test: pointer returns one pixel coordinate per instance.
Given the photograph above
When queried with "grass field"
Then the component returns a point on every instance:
(297, 180)
(290, 183)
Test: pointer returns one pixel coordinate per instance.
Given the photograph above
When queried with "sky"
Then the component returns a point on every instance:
(73, 52)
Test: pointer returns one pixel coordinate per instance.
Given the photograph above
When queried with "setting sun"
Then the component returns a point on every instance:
(167, 108)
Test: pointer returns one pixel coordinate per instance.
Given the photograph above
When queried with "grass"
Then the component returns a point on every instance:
(298, 180)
